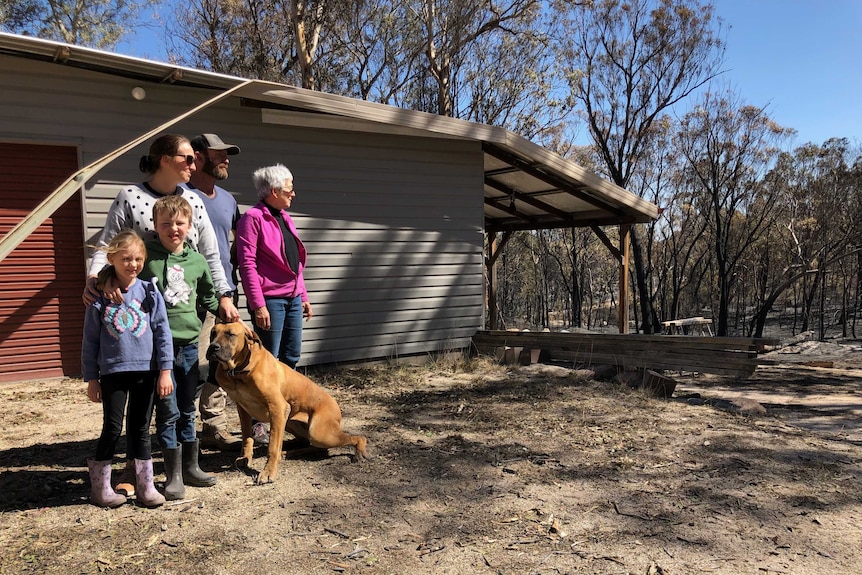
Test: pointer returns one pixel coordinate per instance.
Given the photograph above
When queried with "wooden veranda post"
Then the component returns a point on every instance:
(495, 248)
(491, 279)
(623, 304)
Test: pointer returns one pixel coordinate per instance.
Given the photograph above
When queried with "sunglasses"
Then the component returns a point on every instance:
(189, 159)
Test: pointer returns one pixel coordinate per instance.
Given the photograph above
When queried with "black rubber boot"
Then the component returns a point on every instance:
(174, 488)
(192, 474)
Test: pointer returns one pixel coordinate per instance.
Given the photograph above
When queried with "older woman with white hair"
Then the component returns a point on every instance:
(271, 257)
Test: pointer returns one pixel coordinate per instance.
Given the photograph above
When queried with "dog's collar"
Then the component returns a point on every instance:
(237, 372)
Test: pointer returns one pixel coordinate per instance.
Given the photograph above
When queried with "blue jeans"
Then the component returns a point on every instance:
(175, 414)
(284, 338)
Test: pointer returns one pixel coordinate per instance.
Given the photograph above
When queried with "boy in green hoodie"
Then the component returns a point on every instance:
(184, 279)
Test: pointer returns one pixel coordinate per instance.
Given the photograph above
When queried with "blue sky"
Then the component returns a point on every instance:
(799, 58)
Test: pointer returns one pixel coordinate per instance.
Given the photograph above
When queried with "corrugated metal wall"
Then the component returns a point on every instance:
(393, 223)
(41, 314)
(393, 228)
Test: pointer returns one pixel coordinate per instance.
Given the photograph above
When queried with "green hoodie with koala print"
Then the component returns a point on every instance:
(186, 284)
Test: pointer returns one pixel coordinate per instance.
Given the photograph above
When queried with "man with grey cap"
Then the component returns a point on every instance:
(211, 163)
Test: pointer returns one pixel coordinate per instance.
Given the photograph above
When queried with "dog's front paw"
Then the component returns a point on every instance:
(241, 463)
(264, 477)
(268, 474)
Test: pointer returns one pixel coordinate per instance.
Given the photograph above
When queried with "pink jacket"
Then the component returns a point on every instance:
(260, 256)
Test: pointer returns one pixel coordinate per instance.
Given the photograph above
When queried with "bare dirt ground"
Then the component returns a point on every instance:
(477, 469)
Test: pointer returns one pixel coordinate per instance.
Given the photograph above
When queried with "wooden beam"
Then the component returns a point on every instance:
(510, 209)
(529, 200)
(498, 249)
(572, 188)
(735, 356)
(491, 281)
(579, 220)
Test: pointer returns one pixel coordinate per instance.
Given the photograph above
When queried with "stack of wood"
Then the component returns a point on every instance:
(734, 356)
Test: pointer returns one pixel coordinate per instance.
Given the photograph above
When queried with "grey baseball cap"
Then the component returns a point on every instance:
(213, 142)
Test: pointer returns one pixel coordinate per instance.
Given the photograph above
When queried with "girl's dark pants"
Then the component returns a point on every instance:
(135, 389)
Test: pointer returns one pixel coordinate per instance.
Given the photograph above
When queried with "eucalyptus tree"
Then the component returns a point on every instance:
(855, 207)
(672, 246)
(585, 268)
(308, 18)
(379, 45)
(251, 39)
(729, 149)
(488, 62)
(521, 285)
(823, 183)
(820, 224)
(628, 62)
(682, 257)
(562, 246)
(454, 31)
(545, 282)
(508, 80)
(574, 267)
(276, 40)
(95, 23)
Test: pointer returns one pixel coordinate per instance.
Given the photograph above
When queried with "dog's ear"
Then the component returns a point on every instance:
(252, 336)
(248, 331)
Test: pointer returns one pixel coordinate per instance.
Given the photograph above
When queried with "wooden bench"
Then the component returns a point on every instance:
(734, 356)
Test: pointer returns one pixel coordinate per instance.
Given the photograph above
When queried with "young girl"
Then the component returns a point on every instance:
(126, 354)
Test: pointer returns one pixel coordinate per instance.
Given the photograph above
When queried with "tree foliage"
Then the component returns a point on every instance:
(728, 149)
(487, 62)
(94, 23)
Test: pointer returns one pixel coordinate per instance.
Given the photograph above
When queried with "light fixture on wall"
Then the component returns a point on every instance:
(138, 93)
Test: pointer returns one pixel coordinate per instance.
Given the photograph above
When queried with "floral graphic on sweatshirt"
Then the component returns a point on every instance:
(125, 317)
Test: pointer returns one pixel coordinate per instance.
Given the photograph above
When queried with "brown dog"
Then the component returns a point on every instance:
(268, 390)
